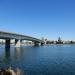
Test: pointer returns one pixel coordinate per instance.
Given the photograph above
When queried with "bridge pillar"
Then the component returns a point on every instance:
(17, 43)
(36, 43)
(7, 43)
(42, 43)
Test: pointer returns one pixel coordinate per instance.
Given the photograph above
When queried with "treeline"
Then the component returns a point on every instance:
(60, 42)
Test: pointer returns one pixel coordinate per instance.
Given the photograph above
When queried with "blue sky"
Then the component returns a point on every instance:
(39, 18)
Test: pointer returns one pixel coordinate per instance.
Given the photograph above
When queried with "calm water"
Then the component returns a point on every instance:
(42, 60)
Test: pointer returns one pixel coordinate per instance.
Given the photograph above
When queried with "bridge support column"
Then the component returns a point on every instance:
(36, 43)
(17, 43)
(42, 43)
(7, 43)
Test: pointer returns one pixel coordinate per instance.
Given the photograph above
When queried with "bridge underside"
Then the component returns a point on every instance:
(18, 38)
(18, 43)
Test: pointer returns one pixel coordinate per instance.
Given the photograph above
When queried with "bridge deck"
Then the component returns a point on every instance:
(9, 35)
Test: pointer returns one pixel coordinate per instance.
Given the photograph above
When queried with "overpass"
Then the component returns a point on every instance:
(18, 38)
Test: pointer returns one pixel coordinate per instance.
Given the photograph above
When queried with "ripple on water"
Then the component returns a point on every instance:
(42, 60)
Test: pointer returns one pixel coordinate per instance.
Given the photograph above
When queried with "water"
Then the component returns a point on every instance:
(41, 60)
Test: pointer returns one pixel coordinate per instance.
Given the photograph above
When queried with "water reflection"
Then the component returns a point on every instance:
(18, 52)
(7, 55)
(5, 58)
(42, 60)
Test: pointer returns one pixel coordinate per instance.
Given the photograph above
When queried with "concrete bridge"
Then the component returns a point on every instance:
(18, 38)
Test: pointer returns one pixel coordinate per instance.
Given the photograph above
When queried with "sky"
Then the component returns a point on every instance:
(39, 18)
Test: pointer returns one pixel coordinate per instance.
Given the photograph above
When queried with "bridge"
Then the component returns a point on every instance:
(18, 38)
